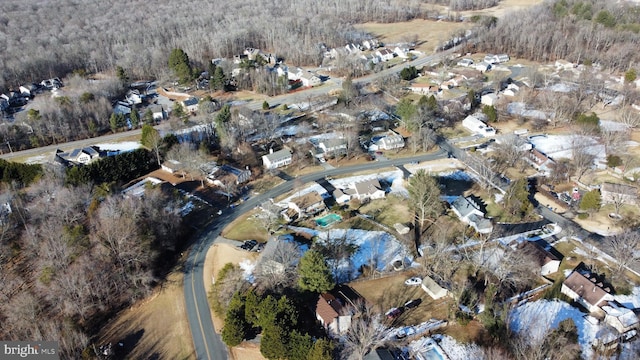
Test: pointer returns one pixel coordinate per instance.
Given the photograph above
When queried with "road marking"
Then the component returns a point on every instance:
(195, 302)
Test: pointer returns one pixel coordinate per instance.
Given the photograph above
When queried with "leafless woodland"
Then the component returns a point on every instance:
(44, 39)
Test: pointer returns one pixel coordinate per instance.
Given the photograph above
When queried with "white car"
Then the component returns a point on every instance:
(414, 281)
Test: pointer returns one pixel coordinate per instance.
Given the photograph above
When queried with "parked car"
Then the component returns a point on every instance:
(394, 313)
(249, 244)
(414, 281)
(412, 303)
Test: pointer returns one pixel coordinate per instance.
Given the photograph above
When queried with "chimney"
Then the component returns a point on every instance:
(271, 150)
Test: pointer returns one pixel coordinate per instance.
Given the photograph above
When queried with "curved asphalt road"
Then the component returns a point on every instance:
(207, 343)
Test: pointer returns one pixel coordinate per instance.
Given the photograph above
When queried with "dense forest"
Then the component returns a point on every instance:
(70, 256)
(581, 31)
(45, 39)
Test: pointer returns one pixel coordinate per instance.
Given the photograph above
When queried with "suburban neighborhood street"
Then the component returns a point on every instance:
(207, 343)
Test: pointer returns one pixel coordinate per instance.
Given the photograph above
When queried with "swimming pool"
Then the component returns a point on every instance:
(328, 219)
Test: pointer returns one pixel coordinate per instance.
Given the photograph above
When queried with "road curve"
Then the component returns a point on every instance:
(207, 343)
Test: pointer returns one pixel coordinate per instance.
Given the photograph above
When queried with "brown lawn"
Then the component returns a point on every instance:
(155, 327)
(429, 33)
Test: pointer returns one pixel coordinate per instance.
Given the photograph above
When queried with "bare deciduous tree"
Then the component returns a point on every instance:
(624, 248)
(366, 332)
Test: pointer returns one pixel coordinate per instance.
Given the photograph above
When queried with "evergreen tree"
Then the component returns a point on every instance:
(235, 325)
(265, 105)
(180, 65)
(491, 112)
(134, 118)
(407, 110)
(218, 79)
(273, 344)
(178, 111)
(223, 117)
(147, 118)
(409, 73)
(149, 136)
(591, 201)
(630, 76)
(315, 275)
(252, 307)
(321, 350)
(122, 75)
(299, 345)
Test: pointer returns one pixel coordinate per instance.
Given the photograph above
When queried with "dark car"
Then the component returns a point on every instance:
(412, 303)
(394, 313)
(249, 244)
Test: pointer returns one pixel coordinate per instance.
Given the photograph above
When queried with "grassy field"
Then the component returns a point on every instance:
(429, 33)
(156, 328)
(245, 227)
(388, 211)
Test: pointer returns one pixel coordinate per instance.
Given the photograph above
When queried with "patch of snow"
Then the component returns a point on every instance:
(122, 146)
(536, 319)
(373, 247)
(631, 301)
(315, 187)
(40, 159)
(247, 267)
(561, 146)
(186, 209)
(456, 350)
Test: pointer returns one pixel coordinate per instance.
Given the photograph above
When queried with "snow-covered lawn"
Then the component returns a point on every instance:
(373, 247)
(535, 319)
(631, 301)
(121, 146)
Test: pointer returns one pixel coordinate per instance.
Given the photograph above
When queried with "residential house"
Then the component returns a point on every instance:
(469, 212)
(80, 156)
(548, 261)
(240, 175)
(370, 44)
(539, 161)
(190, 104)
(332, 309)
(618, 193)
(489, 99)
(28, 90)
(511, 90)
(380, 354)
(482, 66)
(310, 79)
(277, 159)
(122, 108)
(619, 317)
(389, 141)
(51, 84)
(341, 197)
(425, 89)
(333, 146)
(305, 205)
(402, 52)
(133, 97)
(251, 53)
(294, 74)
(465, 62)
(385, 54)
(368, 189)
(433, 289)
(477, 126)
(453, 82)
(586, 289)
(496, 59)
(158, 112)
(172, 166)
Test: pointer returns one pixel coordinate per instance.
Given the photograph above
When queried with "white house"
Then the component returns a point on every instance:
(366, 189)
(385, 54)
(294, 74)
(539, 161)
(277, 159)
(305, 205)
(468, 211)
(401, 52)
(619, 317)
(477, 126)
(482, 66)
(172, 166)
(425, 89)
(465, 62)
(332, 315)
(341, 197)
(433, 289)
(190, 104)
(489, 99)
(496, 59)
(511, 90)
(333, 146)
(310, 79)
(158, 113)
(81, 156)
(586, 289)
(389, 141)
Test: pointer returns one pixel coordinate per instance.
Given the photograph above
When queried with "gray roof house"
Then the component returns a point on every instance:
(80, 156)
(469, 213)
(274, 160)
(333, 146)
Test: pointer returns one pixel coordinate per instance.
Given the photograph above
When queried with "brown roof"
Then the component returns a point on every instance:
(306, 200)
(328, 308)
(541, 256)
(619, 189)
(585, 288)
(538, 157)
(367, 187)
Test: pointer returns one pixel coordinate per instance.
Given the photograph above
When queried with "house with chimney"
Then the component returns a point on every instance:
(470, 212)
(542, 253)
(274, 160)
(618, 193)
(587, 289)
(334, 309)
(304, 205)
